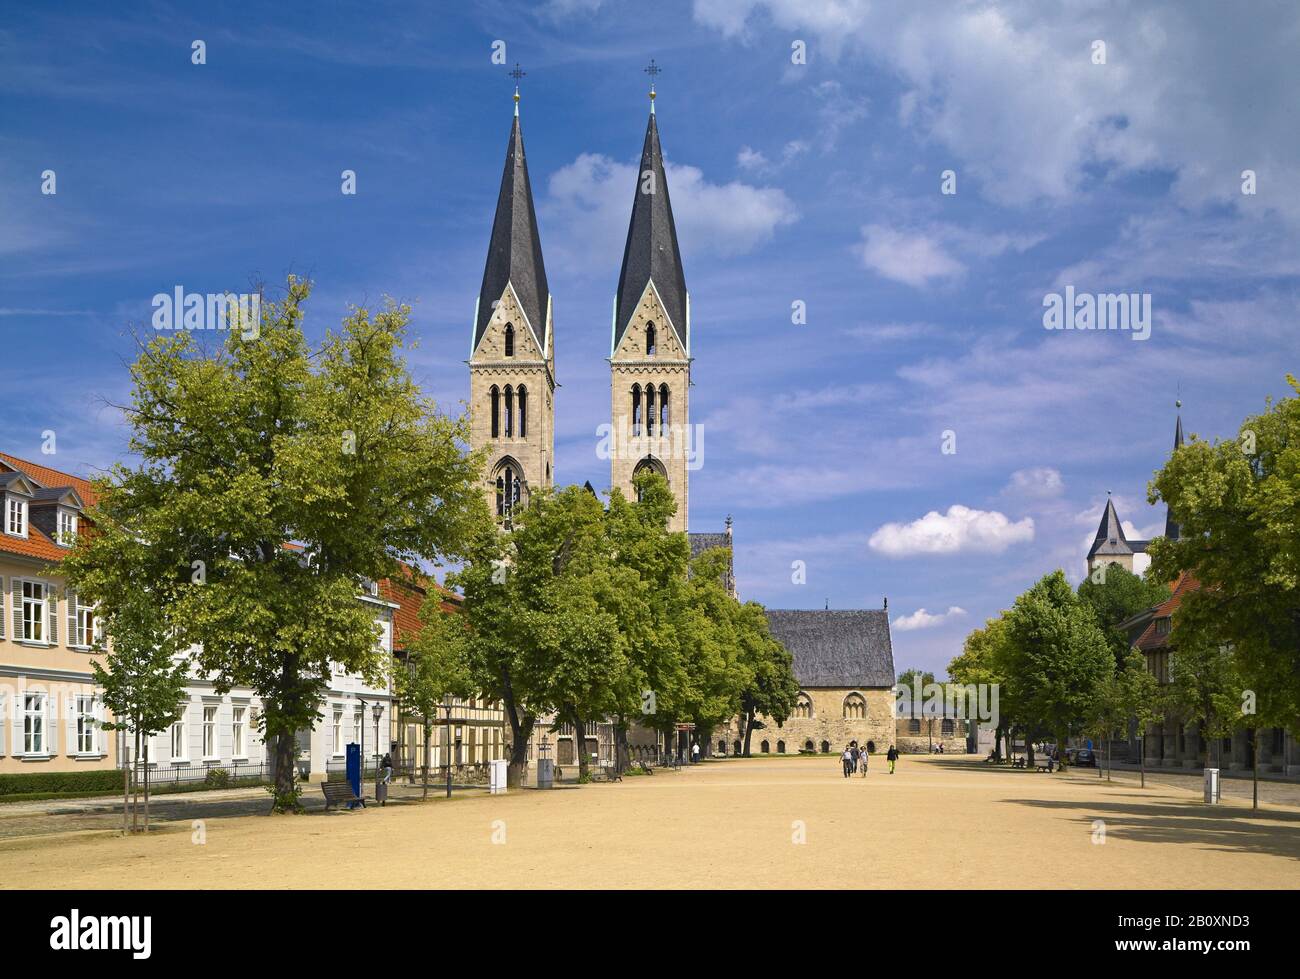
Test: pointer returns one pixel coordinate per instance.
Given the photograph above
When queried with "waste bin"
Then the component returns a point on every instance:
(497, 769)
(1211, 786)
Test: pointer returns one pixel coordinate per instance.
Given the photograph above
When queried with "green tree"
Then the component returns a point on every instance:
(769, 685)
(983, 663)
(437, 667)
(1113, 594)
(143, 681)
(1058, 657)
(1129, 692)
(269, 441)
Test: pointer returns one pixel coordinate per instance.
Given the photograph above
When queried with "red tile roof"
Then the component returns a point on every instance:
(1149, 640)
(49, 478)
(408, 591)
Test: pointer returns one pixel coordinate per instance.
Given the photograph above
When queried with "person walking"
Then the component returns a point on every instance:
(695, 752)
(892, 756)
(846, 760)
(385, 776)
(853, 757)
(863, 755)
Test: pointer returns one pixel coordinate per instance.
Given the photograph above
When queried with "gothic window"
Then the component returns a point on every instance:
(809, 747)
(765, 748)
(722, 747)
(495, 398)
(523, 412)
(650, 409)
(663, 408)
(510, 340)
(780, 747)
(803, 707)
(855, 707)
(826, 747)
(648, 464)
(636, 409)
(650, 339)
(737, 747)
(510, 411)
(508, 491)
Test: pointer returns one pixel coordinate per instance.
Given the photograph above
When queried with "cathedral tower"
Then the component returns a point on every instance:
(512, 352)
(650, 350)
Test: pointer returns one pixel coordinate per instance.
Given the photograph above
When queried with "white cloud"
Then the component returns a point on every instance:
(912, 258)
(589, 203)
(921, 619)
(960, 530)
(1012, 91)
(1037, 483)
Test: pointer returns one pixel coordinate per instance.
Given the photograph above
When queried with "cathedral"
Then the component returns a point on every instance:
(512, 389)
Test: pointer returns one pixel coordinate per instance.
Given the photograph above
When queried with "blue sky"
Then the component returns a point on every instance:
(817, 182)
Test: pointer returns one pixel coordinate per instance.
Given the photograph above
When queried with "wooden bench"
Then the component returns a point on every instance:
(337, 793)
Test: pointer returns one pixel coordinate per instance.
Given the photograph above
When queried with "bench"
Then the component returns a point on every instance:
(339, 792)
(605, 775)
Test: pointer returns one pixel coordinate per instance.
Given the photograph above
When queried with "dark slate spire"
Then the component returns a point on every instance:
(1172, 529)
(651, 253)
(1110, 537)
(515, 252)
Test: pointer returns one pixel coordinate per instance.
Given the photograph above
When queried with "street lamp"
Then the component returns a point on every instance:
(446, 741)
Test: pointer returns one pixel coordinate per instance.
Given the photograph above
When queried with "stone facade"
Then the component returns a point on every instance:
(524, 440)
(825, 720)
(921, 735)
(646, 432)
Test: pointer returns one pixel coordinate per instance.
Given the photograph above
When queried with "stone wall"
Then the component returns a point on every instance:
(823, 724)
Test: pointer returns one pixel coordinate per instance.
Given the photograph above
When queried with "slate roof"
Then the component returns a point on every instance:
(1110, 539)
(702, 542)
(1172, 529)
(651, 252)
(50, 485)
(515, 250)
(836, 647)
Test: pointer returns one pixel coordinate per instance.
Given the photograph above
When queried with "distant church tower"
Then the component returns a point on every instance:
(650, 350)
(512, 354)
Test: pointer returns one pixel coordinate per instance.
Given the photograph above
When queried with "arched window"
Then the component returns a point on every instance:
(509, 489)
(780, 747)
(855, 707)
(648, 464)
(501, 496)
(650, 339)
(663, 408)
(736, 747)
(871, 747)
(809, 746)
(803, 707)
(650, 409)
(523, 412)
(510, 411)
(510, 340)
(765, 748)
(495, 397)
(826, 747)
(636, 409)
(722, 747)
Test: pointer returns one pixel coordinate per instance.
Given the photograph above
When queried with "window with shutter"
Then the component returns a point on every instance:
(17, 588)
(2, 608)
(52, 606)
(70, 637)
(52, 723)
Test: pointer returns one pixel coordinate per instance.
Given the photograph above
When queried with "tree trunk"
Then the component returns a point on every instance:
(521, 729)
(1254, 767)
(749, 730)
(580, 741)
(135, 788)
(146, 786)
(428, 738)
(622, 756)
(1142, 756)
(1108, 761)
(126, 787)
(285, 742)
(1029, 749)
(998, 733)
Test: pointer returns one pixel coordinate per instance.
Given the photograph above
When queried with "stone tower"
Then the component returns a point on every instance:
(512, 352)
(650, 349)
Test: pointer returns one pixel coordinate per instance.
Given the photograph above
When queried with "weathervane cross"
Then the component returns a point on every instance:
(517, 74)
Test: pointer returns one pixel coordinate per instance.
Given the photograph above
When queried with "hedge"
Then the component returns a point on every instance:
(100, 780)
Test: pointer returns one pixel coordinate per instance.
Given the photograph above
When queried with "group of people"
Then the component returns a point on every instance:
(855, 759)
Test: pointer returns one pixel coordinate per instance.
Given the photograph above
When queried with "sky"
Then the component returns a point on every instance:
(874, 203)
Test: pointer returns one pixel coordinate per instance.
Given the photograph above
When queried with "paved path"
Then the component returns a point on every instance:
(944, 822)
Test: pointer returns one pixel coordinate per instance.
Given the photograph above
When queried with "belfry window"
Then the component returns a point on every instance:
(495, 397)
(649, 339)
(663, 408)
(510, 340)
(636, 409)
(510, 411)
(523, 411)
(508, 491)
(650, 409)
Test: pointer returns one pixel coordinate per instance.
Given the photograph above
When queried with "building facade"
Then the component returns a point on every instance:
(50, 709)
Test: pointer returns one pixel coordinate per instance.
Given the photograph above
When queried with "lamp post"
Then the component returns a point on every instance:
(446, 741)
(377, 711)
(362, 777)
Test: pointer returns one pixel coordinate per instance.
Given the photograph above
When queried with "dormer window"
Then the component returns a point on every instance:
(1162, 626)
(67, 533)
(16, 516)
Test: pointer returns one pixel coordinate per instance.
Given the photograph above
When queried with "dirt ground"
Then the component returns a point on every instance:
(940, 822)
